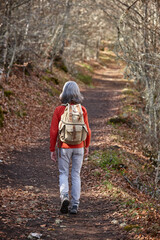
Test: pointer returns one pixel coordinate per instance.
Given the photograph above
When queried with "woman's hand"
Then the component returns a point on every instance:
(86, 151)
(53, 156)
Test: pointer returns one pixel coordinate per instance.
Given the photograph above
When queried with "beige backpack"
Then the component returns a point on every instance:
(72, 129)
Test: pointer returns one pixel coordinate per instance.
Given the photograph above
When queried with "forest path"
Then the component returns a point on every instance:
(102, 103)
(31, 203)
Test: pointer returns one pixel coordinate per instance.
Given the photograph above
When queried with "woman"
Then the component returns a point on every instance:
(70, 94)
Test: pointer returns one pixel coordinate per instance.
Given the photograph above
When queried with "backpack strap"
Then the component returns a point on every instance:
(80, 106)
(59, 141)
(81, 111)
(84, 142)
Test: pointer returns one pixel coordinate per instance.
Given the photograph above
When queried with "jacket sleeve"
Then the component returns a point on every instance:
(54, 130)
(88, 139)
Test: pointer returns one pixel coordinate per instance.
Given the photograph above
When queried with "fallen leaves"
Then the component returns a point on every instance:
(30, 207)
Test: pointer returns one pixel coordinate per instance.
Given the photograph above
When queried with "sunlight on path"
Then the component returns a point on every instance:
(102, 103)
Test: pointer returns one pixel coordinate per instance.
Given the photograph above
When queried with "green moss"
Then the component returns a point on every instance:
(48, 71)
(132, 204)
(85, 78)
(87, 66)
(117, 120)
(50, 92)
(110, 158)
(21, 113)
(56, 91)
(22, 104)
(129, 109)
(49, 79)
(106, 159)
(122, 119)
(8, 93)
(131, 227)
(53, 91)
(1, 117)
(97, 173)
(107, 175)
(108, 184)
(128, 91)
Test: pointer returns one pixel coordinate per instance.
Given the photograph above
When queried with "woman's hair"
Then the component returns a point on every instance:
(71, 93)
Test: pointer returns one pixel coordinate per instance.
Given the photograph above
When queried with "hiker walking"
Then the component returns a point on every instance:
(70, 129)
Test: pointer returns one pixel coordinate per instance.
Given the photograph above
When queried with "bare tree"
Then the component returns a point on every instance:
(138, 45)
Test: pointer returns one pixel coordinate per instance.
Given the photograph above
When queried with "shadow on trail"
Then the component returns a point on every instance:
(109, 76)
(30, 167)
(108, 85)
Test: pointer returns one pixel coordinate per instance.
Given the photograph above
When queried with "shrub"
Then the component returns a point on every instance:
(85, 78)
(8, 93)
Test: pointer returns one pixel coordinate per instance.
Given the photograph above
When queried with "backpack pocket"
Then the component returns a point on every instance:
(73, 134)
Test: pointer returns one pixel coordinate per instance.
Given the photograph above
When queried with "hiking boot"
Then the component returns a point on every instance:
(64, 205)
(73, 209)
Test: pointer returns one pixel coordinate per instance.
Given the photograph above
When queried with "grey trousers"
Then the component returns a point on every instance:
(64, 159)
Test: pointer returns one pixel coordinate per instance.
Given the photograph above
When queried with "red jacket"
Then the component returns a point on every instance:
(54, 129)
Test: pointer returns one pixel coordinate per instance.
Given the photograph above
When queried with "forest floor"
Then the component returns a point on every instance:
(110, 208)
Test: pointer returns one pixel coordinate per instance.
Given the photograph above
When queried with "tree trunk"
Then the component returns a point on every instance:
(7, 32)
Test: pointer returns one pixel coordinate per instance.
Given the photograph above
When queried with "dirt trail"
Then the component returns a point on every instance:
(102, 103)
(32, 204)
